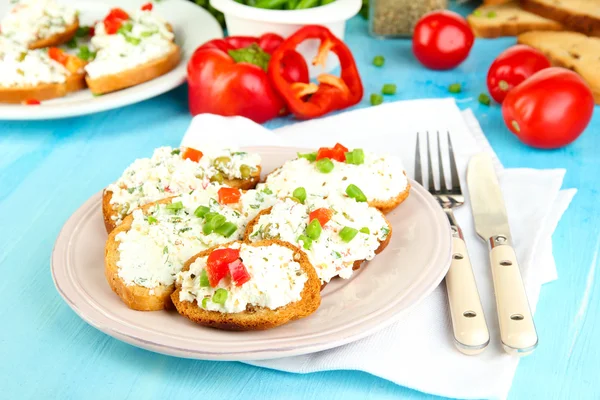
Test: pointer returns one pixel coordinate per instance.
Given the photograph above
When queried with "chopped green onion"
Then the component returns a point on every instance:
(313, 230)
(378, 61)
(356, 157)
(306, 241)
(213, 223)
(204, 302)
(347, 233)
(204, 279)
(72, 44)
(355, 193)
(152, 220)
(85, 53)
(309, 156)
(201, 211)
(389, 88)
(455, 88)
(133, 40)
(477, 13)
(325, 165)
(365, 230)
(491, 14)
(82, 31)
(227, 229)
(484, 99)
(220, 296)
(126, 27)
(148, 33)
(376, 99)
(300, 194)
(175, 151)
(267, 191)
(175, 206)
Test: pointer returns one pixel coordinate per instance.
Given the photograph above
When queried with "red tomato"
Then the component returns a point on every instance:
(147, 7)
(192, 154)
(512, 67)
(58, 55)
(239, 273)
(217, 264)
(442, 40)
(322, 214)
(229, 195)
(550, 109)
(117, 13)
(338, 153)
(111, 26)
(32, 102)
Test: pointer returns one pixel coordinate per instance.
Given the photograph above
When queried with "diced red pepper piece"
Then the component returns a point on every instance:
(239, 273)
(114, 20)
(338, 153)
(32, 102)
(217, 264)
(117, 13)
(229, 195)
(147, 7)
(322, 214)
(192, 154)
(58, 55)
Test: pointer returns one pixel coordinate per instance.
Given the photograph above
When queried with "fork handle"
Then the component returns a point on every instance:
(471, 335)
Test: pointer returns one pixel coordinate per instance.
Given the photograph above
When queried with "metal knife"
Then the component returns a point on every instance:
(517, 329)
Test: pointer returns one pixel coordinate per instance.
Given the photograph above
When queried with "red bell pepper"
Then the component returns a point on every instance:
(309, 100)
(228, 77)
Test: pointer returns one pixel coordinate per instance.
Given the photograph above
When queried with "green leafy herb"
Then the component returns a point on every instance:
(175, 152)
(83, 31)
(152, 220)
(72, 44)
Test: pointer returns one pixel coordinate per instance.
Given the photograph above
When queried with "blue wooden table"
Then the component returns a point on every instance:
(48, 169)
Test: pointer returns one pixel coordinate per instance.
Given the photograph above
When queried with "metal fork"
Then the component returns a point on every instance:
(471, 334)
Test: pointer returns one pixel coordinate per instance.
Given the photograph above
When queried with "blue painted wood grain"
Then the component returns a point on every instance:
(48, 169)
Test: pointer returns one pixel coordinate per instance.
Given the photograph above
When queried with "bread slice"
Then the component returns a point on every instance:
(44, 91)
(571, 50)
(134, 296)
(387, 205)
(578, 15)
(110, 214)
(57, 39)
(255, 318)
(508, 19)
(140, 74)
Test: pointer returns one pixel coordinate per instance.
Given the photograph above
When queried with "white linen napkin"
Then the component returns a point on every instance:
(418, 350)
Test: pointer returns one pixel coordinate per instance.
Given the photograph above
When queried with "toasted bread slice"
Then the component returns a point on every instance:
(255, 318)
(508, 19)
(387, 205)
(578, 15)
(140, 74)
(44, 91)
(571, 50)
(57, 39)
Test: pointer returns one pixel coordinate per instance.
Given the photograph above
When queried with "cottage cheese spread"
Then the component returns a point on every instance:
(21, 67)
(380, 178)
(329, 254)
(157, 245)
(144, 37)
(32, 20)
(167, 174)
(276, 280)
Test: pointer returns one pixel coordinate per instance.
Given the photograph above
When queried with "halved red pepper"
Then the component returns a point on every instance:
(309, 100)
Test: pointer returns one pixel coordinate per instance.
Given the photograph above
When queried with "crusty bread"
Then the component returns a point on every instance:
(134, 296)
(571, 50)
(57, 39)
(578, 15)
(255, 318)
(140, 74)
(509, 20)
(357, 263)
(44, 91)
(109, 213)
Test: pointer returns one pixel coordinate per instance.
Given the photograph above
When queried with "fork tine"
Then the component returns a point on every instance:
(430, 167)
(454, 181)
(418, 171)
(442, 177)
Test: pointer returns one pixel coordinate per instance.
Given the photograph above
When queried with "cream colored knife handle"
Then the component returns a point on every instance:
(517, 330)
(471, 334)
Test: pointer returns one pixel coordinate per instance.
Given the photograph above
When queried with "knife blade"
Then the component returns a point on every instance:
(517, 328)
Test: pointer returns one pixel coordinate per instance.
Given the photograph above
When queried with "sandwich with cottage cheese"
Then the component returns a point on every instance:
(130, 49)
(380, 180)
(144, 254)
(337, 233)
(174, 171)
(40, 23)
(34, 75)
(247, 286)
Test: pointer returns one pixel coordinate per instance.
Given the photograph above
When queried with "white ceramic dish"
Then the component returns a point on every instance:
(193, 26)
(414, 263)
(251, 21)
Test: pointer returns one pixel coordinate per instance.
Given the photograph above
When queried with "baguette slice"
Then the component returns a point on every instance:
(140, 74)
(57, 39)
(571, 50)
(255, 318)
(45, 91)
(509, 20)
(578, 15)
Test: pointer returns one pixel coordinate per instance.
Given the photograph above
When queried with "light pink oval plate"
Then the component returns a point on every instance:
(410, 268)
